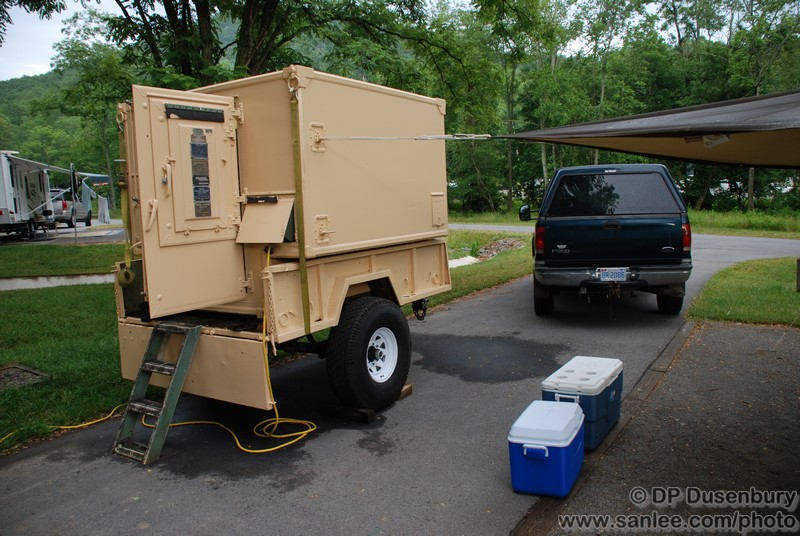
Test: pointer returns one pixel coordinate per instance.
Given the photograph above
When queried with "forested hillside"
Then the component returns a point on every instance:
(503, 66)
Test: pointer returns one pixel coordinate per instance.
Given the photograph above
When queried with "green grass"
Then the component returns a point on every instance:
(510, 217)
(746, 223)
(34, 260)
(753, 292)
(754, 223)
(70, 334)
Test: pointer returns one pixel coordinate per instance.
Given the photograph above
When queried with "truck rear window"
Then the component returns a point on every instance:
(604, 194)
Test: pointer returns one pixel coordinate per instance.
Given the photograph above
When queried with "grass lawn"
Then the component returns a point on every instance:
(36, 260)
(754, 292)
(69, 334)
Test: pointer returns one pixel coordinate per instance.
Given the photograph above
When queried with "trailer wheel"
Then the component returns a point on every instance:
(88, 221)
(369, 353)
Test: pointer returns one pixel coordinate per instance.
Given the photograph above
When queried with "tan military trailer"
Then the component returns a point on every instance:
(265, 210)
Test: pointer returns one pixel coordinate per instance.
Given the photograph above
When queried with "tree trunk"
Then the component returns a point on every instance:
(751, 188)
(206, 33)
(545, 173)
(510, 85)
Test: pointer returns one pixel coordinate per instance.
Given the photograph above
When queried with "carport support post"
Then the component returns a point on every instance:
(797, 286)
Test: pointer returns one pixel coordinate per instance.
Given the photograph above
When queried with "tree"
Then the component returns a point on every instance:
(178, 42)
(99, 80)
(43, 8)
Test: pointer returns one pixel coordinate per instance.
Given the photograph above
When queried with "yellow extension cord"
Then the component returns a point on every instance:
(264, 429)
(268, 427)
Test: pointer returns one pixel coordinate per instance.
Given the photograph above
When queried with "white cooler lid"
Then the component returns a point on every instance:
(552, 424)
(584, 375)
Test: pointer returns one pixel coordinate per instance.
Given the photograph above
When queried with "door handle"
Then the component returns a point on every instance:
(153, 204)
(166, 180)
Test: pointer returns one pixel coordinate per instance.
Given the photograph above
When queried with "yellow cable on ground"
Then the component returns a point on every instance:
(268, 427)
(76, 426)
(84, 425)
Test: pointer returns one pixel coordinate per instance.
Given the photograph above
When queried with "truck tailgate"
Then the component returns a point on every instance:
(607, 241)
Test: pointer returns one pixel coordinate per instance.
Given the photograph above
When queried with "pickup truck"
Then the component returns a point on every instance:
(65, 211)
(605, 228)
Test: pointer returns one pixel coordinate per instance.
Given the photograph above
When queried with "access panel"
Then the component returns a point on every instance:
(188, 187)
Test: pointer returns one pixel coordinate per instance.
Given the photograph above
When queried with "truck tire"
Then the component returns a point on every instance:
(368, 354)
(669, 305)
(543, 300)
(71, 220)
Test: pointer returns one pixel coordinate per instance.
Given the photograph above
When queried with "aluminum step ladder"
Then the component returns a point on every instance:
(139, 406)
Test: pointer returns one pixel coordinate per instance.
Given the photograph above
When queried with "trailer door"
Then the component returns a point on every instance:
(188, 184)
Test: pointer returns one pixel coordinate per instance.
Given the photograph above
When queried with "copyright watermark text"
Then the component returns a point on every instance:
(670, 497)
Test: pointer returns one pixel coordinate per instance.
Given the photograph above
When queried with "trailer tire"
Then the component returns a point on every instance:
(88, 221)
(368, 354)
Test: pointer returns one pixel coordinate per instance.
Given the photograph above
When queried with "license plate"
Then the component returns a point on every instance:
(610, 275)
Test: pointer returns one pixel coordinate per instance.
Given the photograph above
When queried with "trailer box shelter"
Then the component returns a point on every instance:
(270, 208)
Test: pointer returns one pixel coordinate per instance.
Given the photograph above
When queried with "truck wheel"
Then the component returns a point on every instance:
(71, 220)
(543, 300)
(88, 221)
(369, 353)
(669, 305)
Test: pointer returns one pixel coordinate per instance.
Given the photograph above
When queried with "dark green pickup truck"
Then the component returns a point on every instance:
(606, 228)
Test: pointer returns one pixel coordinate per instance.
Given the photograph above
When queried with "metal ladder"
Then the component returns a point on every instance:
(139, 406)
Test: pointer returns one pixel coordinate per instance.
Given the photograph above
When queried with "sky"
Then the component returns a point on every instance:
(28, 46)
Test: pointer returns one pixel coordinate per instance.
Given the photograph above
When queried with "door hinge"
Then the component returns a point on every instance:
(246, 285)
(238, 112)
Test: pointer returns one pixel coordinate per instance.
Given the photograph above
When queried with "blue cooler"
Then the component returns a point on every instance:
(545, 446)
(596, 384)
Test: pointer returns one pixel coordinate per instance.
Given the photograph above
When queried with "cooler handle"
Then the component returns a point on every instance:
(535, 452)
(567, 398)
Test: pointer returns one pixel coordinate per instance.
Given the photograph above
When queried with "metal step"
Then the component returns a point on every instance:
(159, 367)
(146, 407)
(131, 449)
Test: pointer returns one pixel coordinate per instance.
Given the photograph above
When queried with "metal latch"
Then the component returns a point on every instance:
(323, 228)
(317, 138)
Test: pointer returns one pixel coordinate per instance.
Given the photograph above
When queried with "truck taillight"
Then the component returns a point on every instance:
(63, 205)
(687, 237)
(538, 240)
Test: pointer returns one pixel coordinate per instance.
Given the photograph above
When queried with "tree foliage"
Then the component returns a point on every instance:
(502, 65)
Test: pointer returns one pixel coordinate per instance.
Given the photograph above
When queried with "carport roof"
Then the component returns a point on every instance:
(757, 131)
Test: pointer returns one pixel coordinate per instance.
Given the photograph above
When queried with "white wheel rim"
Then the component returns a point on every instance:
(382, 353)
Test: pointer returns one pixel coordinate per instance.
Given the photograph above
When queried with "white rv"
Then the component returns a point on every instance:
(25, 203)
